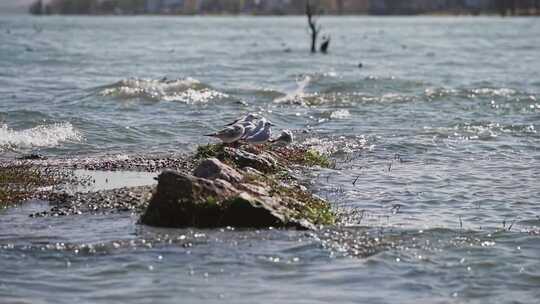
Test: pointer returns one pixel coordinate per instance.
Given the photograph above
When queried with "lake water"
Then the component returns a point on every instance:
(435, 136)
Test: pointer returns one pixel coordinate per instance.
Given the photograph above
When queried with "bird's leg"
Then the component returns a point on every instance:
(236, 144)
(259, 148)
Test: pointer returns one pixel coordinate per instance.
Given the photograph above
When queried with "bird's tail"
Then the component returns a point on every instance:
(232, 123)
(211, 134)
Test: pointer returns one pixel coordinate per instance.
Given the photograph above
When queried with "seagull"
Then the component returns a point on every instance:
(249, 129)
(252, 129)
(285, 138)
(262, 136)
(230, 134)
(245, 119)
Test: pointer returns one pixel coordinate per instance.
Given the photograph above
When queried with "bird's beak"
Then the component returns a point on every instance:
(271, 124)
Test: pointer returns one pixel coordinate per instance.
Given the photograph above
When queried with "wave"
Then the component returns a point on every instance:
(318, 89)
(518, 100)
(40, 136)
(297, 95)
(334, 145)
(188, 90)
(483, 92)
(480, 131)
(340, 114)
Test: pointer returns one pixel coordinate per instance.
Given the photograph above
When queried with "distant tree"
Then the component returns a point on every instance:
(501, 7)
(86, 6)
(513, 6)
(313, 27)
(107, 6)
(36, 8)
(340, 6)
(47, 10)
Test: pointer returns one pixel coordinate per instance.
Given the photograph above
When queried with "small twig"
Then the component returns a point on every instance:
(512, 224)
(356, 179)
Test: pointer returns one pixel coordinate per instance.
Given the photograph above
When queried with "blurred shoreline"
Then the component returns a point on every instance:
(285, 7)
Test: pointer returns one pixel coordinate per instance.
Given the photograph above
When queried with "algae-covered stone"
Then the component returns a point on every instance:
(182, 200)
(235, 188)
(263, 162)
(246, 210)
(212, 168)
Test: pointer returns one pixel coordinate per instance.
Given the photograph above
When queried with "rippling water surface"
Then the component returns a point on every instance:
(435, 138)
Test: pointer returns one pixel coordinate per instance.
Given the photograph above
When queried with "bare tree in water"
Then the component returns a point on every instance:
(313, 27)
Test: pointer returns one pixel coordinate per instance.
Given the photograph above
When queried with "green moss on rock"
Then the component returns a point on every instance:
(303, 156)
(304, 204)
(209, 151)
(314, 158)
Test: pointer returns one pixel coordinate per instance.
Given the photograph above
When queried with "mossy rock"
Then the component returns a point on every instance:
(182, 200)
(303, 204)
(280, 156)
(209, 151)
(238, 158)
(302, 156)
(268, 198)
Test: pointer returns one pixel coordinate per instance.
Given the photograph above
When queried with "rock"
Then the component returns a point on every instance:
(246, 210)
(256, 189)
(212, 168)
(32, 156)
(234, 187)
(263, 162)
(182, 200)
(252, 171)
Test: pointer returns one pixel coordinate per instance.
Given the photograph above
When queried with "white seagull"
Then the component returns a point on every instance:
(285, 138)
(251, 128)
(229, 134)
(246, 119)
(261, 136)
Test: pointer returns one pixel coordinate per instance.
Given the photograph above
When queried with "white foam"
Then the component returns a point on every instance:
(296, 96)
(40, 136)
(186, 90)
(504, 92)
(331, 145)
(340, 114)
(195, 96)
